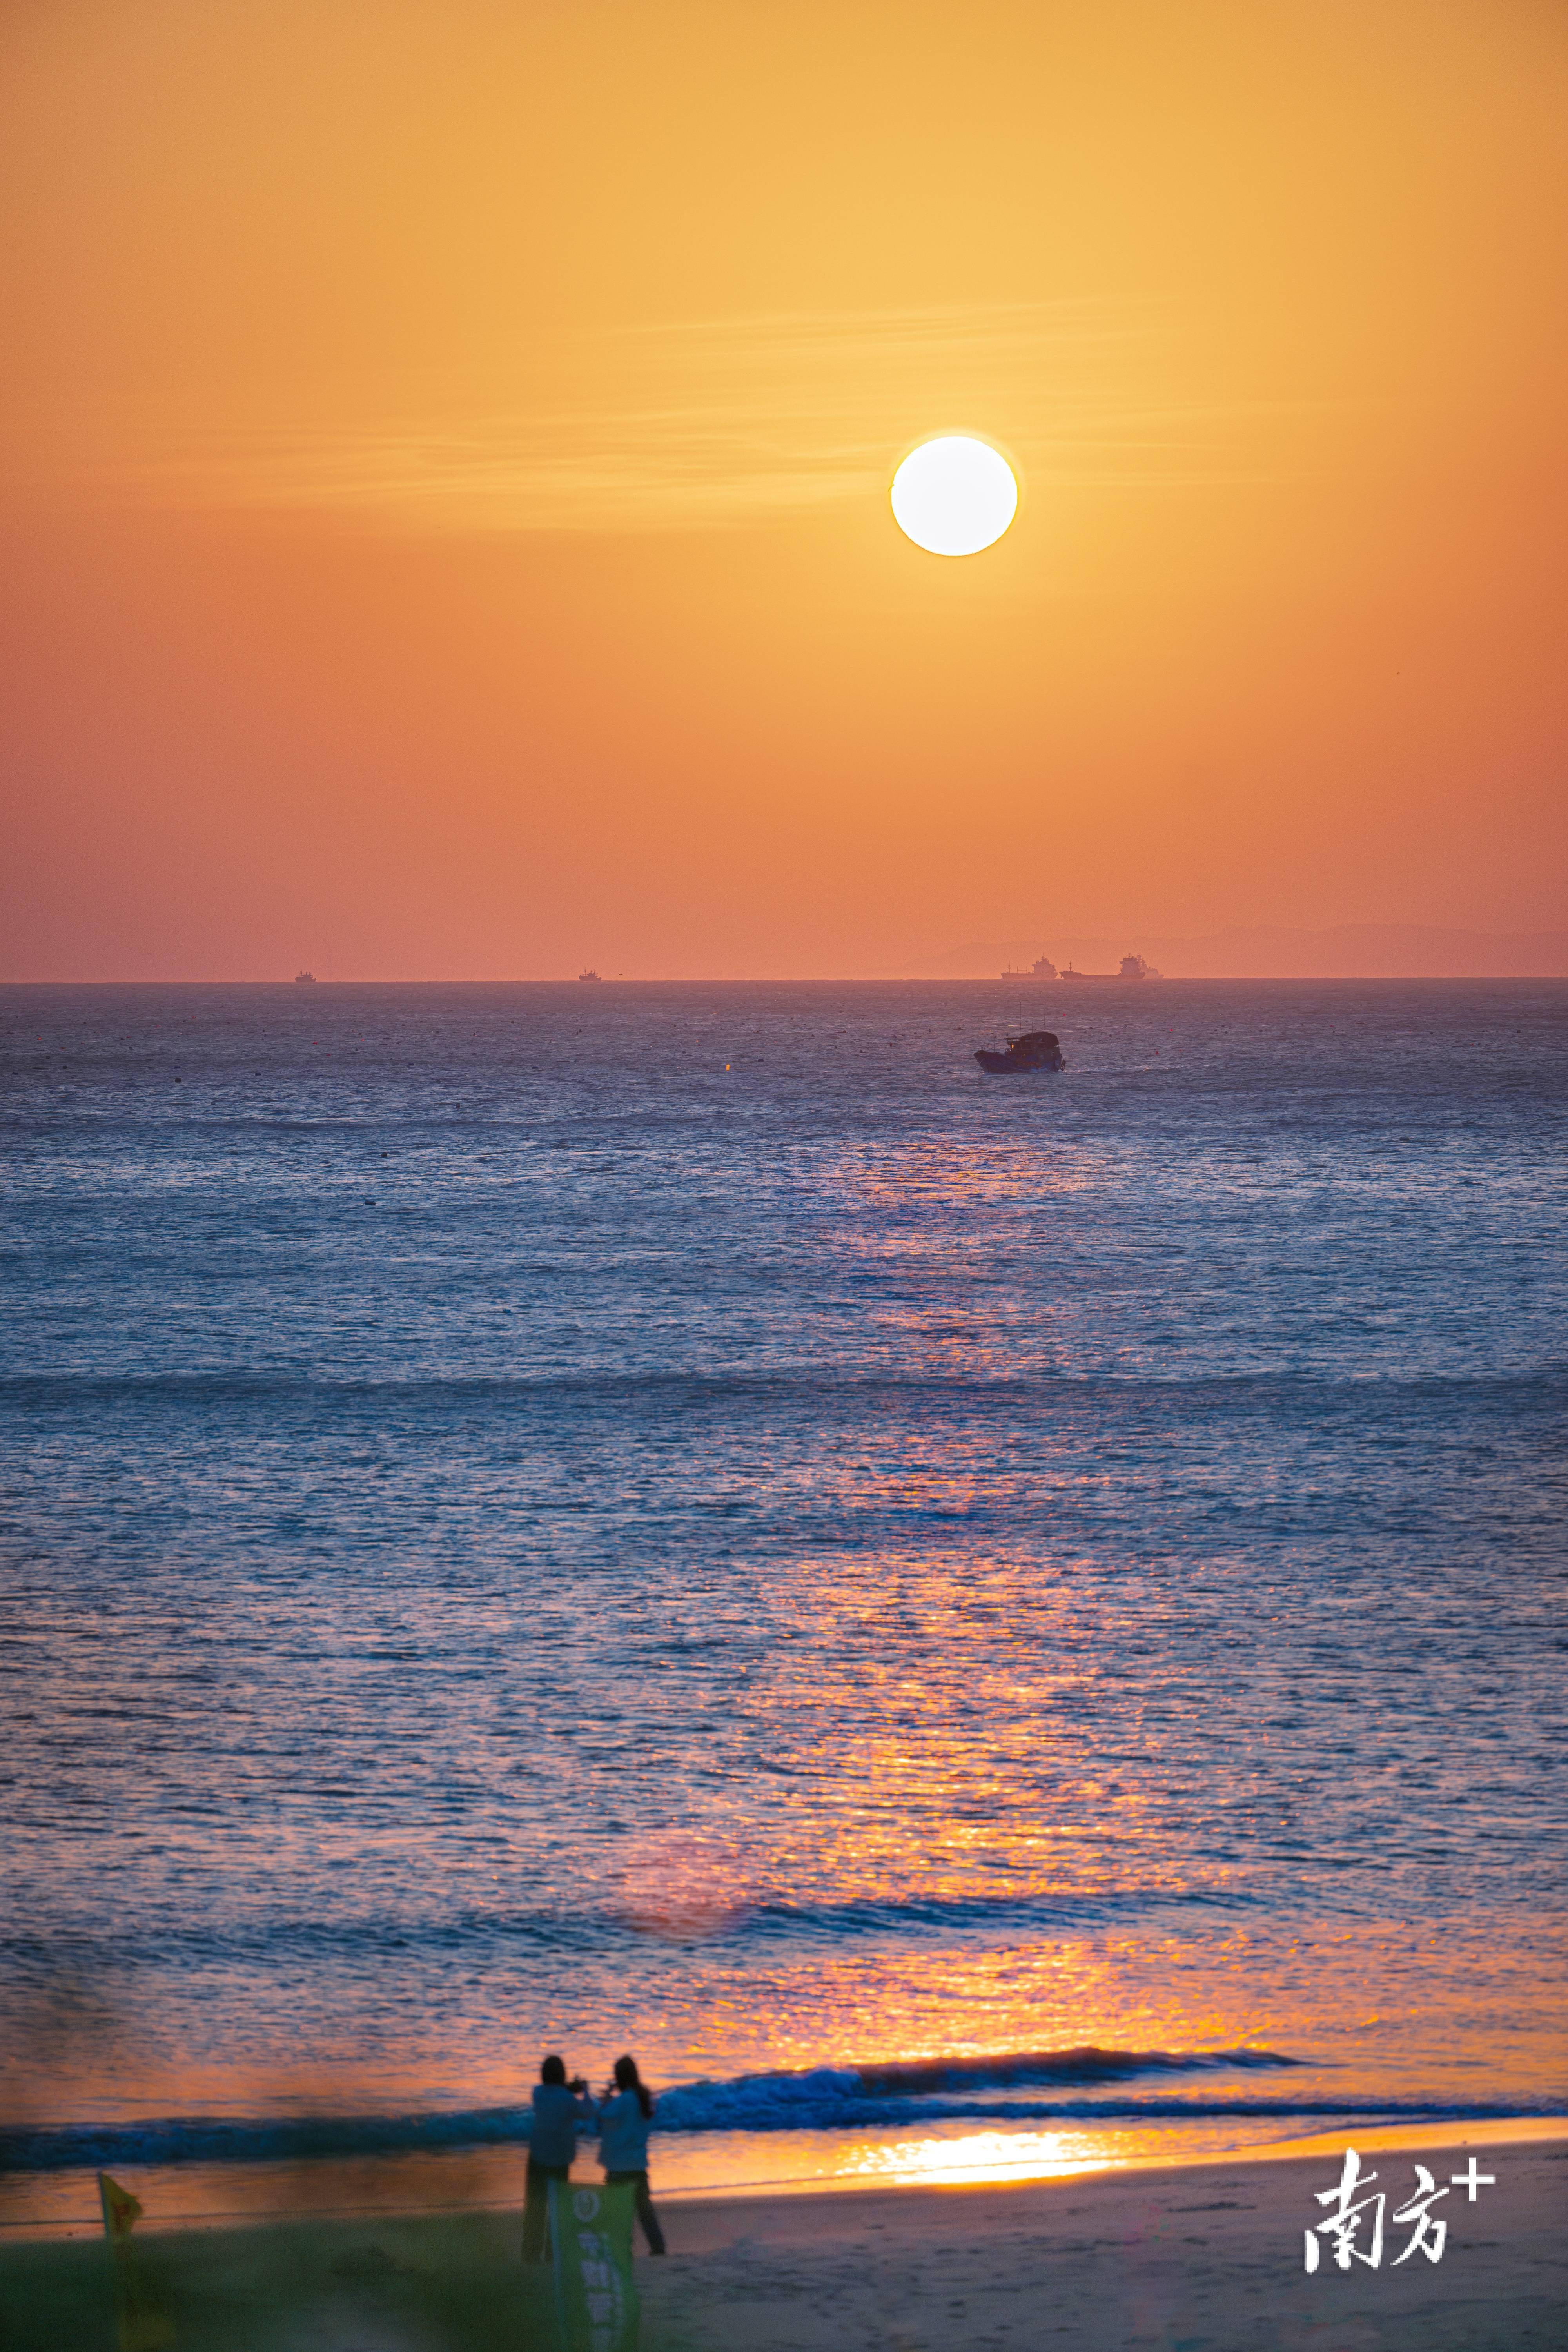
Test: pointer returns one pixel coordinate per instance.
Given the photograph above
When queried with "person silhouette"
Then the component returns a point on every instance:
(559, 2107)
(624, 2119)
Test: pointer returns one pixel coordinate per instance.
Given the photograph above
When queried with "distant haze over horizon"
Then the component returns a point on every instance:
(1258, 951)
(1272, 951)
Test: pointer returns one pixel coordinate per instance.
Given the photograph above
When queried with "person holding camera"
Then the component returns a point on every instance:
(624, 2119)
(559, 2107)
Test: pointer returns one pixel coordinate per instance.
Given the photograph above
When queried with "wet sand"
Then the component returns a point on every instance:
(1199, 2258)
(1202, 2257)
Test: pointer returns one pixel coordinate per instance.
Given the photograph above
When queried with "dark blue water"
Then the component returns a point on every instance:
(688, 1519)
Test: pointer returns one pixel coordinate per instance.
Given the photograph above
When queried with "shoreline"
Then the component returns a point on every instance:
(1503, 2131)
(1205, 2256)
(296, 2185)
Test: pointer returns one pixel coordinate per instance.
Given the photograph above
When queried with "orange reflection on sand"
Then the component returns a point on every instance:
(978, 2156)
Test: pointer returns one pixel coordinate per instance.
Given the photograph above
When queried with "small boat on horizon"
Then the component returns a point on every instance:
(1041, 969)
(588, 975)
(1033, 1049)
(301, 977)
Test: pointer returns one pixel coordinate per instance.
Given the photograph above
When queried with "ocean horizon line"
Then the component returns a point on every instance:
(977, 965)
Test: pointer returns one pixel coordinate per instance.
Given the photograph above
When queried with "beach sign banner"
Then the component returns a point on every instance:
(591, 2232)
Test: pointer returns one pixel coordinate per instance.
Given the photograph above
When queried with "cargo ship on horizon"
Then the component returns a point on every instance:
(1133, 967)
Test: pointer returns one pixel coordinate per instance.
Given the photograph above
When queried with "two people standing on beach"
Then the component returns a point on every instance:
(561, 2108)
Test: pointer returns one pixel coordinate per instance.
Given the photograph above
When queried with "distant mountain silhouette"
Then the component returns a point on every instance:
(1273, 951)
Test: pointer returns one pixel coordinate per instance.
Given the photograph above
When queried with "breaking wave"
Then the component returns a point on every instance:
(822, 2098)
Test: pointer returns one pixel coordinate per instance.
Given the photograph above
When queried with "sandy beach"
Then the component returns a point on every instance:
(1198, 2258)
(1201, 2258)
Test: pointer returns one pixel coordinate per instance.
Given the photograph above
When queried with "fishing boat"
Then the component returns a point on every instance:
(1033, 1049)
(303, 977)
(587, 975)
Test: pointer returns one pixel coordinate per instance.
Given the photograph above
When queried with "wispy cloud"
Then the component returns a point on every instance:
(725, 421)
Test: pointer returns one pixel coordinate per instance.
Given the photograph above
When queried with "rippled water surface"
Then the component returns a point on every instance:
(687, 1518)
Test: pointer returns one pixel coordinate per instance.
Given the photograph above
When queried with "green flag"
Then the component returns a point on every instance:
(591, 2232)
(140, 2322)
(122, 2211)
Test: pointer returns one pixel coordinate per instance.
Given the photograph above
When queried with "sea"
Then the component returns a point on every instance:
(978, 1627)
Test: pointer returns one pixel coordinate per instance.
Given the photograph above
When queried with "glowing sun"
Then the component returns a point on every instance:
(955, 496)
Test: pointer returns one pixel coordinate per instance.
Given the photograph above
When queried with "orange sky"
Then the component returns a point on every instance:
(446, 447)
